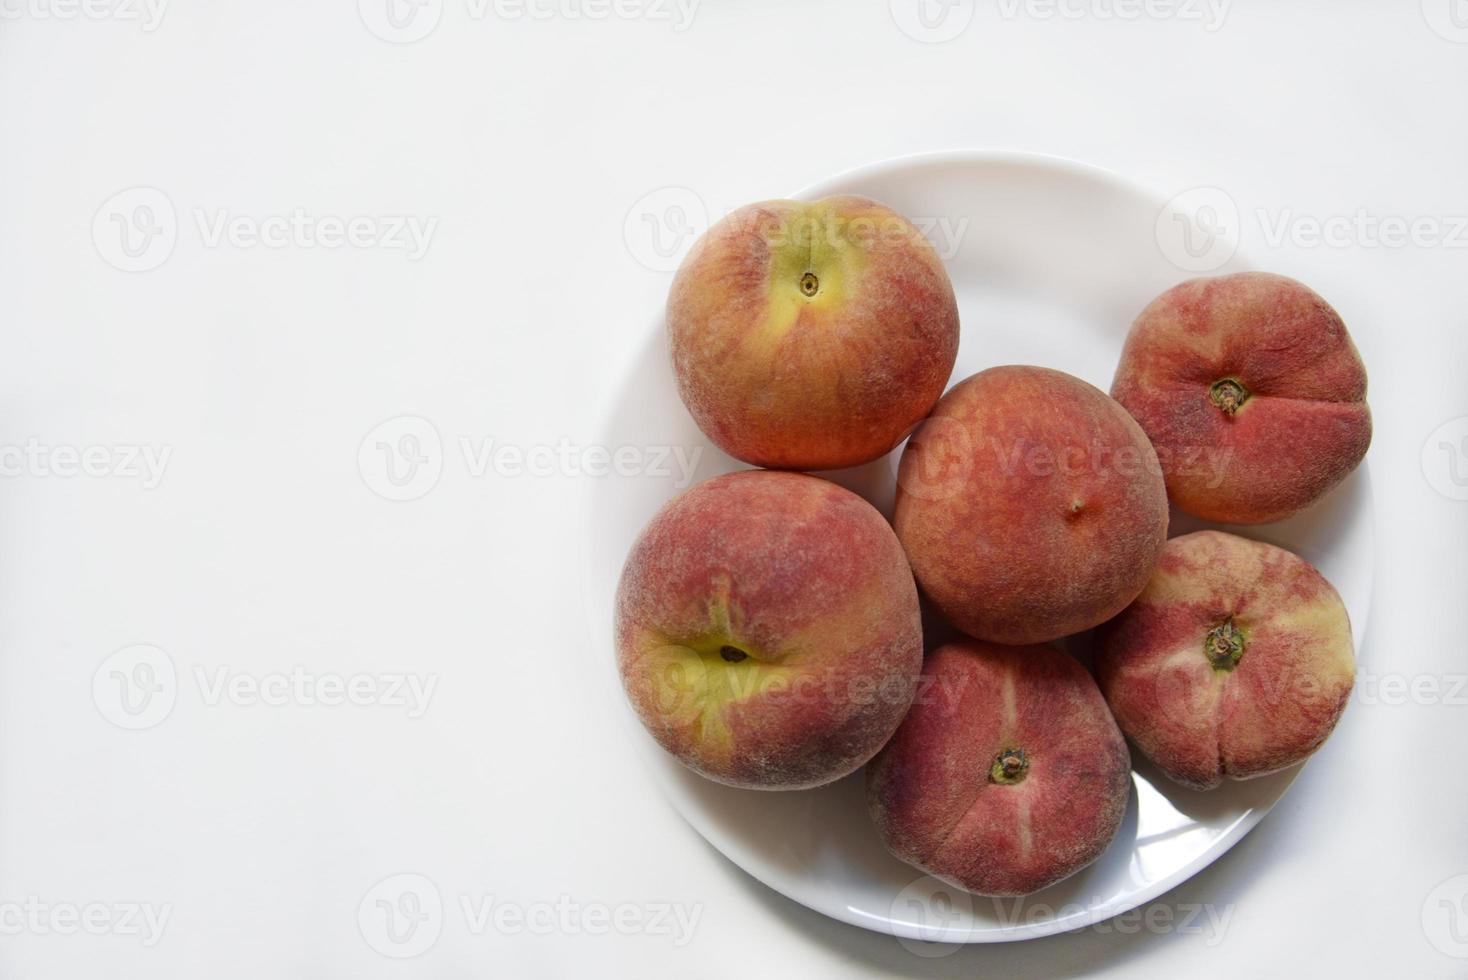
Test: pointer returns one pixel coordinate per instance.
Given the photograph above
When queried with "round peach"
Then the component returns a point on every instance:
(767, 629)
(1252, 392)
(1031, 506)
(1235, 661)
(811, 335)
(1007, 775)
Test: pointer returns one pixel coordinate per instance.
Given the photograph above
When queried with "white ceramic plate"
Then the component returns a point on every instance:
(1051, 261)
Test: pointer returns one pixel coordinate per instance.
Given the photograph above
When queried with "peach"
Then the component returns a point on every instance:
(811, 335)
(768, 631)
(1031, 506)
(1007, 775)
(1252, 392)
(1234, 662)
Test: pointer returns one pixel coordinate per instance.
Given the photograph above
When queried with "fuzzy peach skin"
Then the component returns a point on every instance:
(1031, 506)
(1007, 775)
(1235, 661)
(1252, 392)
(811, 336)
(767, 630)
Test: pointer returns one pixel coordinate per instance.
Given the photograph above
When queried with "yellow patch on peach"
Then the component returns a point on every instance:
(768, 632)
(811, 335)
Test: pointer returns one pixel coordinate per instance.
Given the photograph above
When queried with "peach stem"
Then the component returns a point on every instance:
(1228, 394)
(1224, 645)
(1009, 767)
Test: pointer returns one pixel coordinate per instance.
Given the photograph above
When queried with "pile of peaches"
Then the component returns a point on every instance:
(769, 623)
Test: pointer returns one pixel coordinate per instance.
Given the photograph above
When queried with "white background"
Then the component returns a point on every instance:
(261, 829)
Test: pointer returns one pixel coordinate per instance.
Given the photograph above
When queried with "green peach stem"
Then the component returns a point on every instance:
(809, 284)
(1228, 394)
(1224, 645)
(732, 654)
(1009, 767)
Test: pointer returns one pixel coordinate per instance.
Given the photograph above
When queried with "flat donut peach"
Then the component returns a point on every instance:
(1007, 776)
(1252, 393)
(1235, 661)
